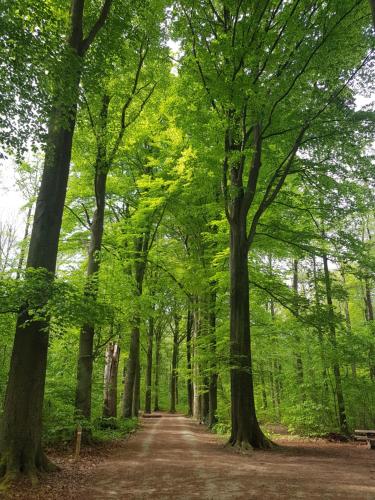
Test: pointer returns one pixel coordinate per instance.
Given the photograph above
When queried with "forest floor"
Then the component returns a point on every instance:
(173, 457)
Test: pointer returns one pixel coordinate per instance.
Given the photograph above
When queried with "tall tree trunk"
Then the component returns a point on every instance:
(372, 6)
(197, 396)
(299, 363)
(137, 391)
(131, 373)
(157, 369)
(332, 336)
(190, 396)
(272, 387)
(370, 308)
(131, 395)
(150, 341)
(177, 384)
(86, 338)
(112, 358)
(370, 319)
(173, 383)
(349, 332)
(245, 431)
(20, 437)
(277, 387)
(212, 389)
(131, 399)
(274, 374)
(212, 418)
(320, 334)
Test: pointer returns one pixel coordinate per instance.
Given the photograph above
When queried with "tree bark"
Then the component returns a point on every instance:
(86, 338)
(272, 388)
(320, 335)
(150, 341)
(131, 395)
(112, 358)
(173, 383)
(370, 320)
(137, 391)
(212, 388)
(245, 432)
(189, 383)
(20, 438)
(131, 373)
(157, 369)
(277, 387)
(335, 365)
(349, 332)
(197, 401)
(372, 6)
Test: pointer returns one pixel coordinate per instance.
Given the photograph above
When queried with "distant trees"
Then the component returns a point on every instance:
(133, 98)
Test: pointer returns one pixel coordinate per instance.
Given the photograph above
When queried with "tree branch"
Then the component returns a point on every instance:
(307, 62)
(199, 66)
(81, 221)
(123, 124)
(152, 239)
(180, 285)
(97, 26)
(273, 190)
(254, 170)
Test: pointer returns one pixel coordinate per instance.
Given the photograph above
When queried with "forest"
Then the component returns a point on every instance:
(196, 238)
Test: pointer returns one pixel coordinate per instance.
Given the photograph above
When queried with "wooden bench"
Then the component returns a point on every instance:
(366, 435)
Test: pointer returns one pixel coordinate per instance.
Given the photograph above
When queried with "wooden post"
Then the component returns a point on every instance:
(78, 441)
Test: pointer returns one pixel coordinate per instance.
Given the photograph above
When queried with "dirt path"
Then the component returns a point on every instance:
(173, 457)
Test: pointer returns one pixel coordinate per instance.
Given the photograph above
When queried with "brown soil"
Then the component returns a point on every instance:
(173, 457)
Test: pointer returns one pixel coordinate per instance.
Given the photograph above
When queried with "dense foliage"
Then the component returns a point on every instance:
(247, 140)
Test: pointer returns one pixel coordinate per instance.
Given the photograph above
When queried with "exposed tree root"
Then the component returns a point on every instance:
(45, 464)
(245, 446)
(14, 469)
(9, 477)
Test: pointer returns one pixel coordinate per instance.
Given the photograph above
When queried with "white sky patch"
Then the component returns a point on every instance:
(362, 102)
(175, 47)
(11, 199)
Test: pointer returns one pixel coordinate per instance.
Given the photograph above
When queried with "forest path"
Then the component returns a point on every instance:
(173, 457)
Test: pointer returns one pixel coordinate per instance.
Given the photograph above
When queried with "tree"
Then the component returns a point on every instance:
(148, 382)
(112, 358)
(254, 63)
(20, 440)
(106, 154)
(174, 366)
